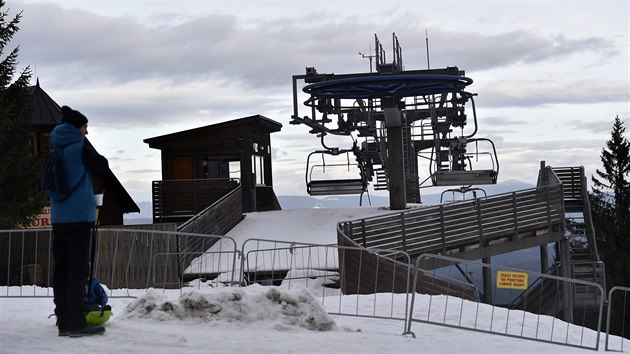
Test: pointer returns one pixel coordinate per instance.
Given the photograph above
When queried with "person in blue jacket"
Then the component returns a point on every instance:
(72, 219)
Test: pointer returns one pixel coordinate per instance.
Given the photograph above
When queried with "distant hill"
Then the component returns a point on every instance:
(145, 216)
(305, 202)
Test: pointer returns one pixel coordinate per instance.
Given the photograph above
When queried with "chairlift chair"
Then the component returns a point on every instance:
(337, 186)
(458, 175)
(463, 190)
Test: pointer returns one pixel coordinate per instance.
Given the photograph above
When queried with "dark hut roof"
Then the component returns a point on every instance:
(45, 110)
(265, 124)
(128, 204)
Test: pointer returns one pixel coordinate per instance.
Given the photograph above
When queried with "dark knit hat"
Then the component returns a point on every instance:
(73, 117)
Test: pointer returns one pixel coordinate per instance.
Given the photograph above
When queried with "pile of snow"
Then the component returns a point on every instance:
(254, 305)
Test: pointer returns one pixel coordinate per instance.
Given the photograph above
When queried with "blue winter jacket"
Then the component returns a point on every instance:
(80, 206)
(97, 293)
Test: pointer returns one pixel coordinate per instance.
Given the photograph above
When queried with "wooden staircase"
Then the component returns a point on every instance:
(585, 262)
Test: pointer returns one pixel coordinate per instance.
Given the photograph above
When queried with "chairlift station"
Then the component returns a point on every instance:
(398, 121)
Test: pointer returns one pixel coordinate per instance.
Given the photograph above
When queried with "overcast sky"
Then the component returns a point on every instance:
(550, 75)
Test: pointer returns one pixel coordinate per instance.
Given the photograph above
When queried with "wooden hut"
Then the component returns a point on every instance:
(46, 114)
(201, 165)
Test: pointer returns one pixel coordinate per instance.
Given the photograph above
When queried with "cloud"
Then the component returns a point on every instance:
(114, 50)
(541, 92)
(502, 121)
(476, 51)
(215, 66)
(214, 46)
(597, 126)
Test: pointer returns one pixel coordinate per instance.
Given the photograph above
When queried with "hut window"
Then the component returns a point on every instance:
(258, 169)
(33, 144)
(214, 167)
(45, 143)
(235, 169)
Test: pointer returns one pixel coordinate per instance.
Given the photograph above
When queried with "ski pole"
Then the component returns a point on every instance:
(93, 245)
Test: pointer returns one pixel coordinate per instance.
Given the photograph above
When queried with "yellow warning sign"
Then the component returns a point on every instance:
(511, 280)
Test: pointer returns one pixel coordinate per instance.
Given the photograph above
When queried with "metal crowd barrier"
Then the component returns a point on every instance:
(125, 259)
(537, 324)
(317, 267)
(617, 319)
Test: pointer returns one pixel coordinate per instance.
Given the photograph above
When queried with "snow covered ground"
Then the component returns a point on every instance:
(259, 319)
(253, 319)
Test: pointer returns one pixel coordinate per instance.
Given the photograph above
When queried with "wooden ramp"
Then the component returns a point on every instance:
(469, 230)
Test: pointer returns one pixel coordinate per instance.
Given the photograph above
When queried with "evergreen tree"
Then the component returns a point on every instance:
(610, 203)
(20, 198)
(611, 191)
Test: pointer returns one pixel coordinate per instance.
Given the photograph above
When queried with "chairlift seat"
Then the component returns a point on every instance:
(336, 187)
(459, 178)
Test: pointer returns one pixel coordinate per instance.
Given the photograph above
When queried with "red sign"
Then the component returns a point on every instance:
(42, 220)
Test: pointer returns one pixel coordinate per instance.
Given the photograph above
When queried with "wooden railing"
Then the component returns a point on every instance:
(576, 200)
(572, 183)
(217, 219)
(585, 262)
(180, 200)
(470, 229)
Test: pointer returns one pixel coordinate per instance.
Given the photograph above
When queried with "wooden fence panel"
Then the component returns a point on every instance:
(25, 258)
(129, 257)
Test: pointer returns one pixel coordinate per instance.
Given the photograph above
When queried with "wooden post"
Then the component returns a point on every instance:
(397, 194)
(565, 287)
(487, 281)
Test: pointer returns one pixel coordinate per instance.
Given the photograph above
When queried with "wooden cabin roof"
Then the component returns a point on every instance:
(256, 123)
(47, 112)
(127, 203)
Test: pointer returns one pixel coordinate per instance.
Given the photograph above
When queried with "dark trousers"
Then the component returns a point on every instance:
(71, 252)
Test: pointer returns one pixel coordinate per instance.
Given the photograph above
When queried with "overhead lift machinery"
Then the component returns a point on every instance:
(397, 120)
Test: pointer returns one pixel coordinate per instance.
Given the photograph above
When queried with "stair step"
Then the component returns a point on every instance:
(381, 179)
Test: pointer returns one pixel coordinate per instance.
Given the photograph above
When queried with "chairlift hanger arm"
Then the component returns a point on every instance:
(495, 159)
(472, 101)
(317, 127)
